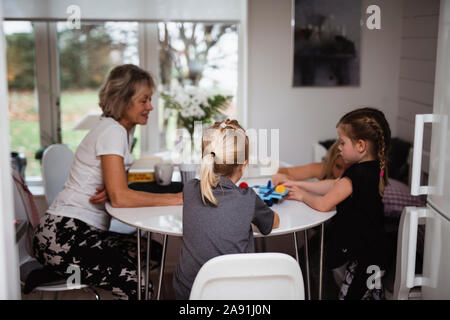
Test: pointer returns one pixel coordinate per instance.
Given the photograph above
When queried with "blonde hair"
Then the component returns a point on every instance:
(370, 124)
(332, 155)
(120, 87)
(224, 148)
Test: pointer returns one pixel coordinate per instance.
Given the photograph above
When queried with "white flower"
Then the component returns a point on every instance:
(184, 100)
(200, 98)
(190, 89)
(185, 113)
(198, 112)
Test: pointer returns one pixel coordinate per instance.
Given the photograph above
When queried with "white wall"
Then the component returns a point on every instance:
(9, 266)
(305, 115)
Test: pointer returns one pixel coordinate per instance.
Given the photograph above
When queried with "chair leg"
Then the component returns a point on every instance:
(97, 296)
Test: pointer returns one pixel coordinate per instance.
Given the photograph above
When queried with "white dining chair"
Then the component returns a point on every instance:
(56, 164)
(28, 263)
(249, 276)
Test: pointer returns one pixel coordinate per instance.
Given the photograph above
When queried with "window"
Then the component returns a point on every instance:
(22, 100)
(55, 73)
(86, 55)
(197, 54)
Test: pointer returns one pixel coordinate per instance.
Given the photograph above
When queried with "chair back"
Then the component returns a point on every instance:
(249, 276)
(24, 210)
(56, 164)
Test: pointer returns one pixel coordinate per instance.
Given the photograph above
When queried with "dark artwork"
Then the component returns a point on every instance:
(327, 42)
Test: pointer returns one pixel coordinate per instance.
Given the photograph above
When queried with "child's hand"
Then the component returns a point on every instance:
(278, 178)
(290, 184)
(100, 197)
(295, 193)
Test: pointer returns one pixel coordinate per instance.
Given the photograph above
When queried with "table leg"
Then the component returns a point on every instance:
(138, 253)
(307, 264)
(147, 263)
(161, 270)
(321, 259)
(296, 248)
(263, 244)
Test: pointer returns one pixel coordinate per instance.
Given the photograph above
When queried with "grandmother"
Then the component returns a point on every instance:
(74, 230)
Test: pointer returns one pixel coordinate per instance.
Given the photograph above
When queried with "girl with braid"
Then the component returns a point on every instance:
(357, 234)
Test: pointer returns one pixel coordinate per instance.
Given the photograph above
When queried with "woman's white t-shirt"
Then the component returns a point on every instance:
(109, 137)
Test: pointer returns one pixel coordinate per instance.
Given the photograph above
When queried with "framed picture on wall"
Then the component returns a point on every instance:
(326, 43)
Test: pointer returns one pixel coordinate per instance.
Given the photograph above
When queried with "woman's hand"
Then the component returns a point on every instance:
(296, 193)
(100, 197)
(178, 199)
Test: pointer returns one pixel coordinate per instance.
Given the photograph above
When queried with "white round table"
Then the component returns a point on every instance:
(294, 217)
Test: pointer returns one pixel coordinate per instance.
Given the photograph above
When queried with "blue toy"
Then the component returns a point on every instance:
(269, 195)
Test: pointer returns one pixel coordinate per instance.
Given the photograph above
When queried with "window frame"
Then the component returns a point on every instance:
(48, 80)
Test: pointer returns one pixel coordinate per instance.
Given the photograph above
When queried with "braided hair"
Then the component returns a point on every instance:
(370, 124)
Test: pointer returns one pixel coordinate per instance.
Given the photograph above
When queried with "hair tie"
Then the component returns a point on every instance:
(223, 125)
(213, 154)
(381, 173)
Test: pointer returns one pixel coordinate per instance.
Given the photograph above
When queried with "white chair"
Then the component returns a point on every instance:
(56, 164)
(249, 276)
(28, 263)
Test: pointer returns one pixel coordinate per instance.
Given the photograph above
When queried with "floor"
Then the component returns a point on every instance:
(84, 294)
(275, 244)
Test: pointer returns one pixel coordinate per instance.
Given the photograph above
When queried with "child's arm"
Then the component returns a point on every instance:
(309, 171)
(276, 220)
(340, 191)
(319, 187)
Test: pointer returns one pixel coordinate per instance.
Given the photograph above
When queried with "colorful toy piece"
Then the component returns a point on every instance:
(271, 194)
(280, 189)
(243, 185)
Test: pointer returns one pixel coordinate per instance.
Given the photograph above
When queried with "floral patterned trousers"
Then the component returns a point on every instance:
(104, 259)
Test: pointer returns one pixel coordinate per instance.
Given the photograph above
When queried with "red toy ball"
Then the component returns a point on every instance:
(243, 185)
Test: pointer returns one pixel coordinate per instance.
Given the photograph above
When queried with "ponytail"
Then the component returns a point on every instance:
(208, 179)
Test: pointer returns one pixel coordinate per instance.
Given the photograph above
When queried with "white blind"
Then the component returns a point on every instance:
(145, 10)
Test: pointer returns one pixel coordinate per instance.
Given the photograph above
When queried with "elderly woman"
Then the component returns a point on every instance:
(74, 231)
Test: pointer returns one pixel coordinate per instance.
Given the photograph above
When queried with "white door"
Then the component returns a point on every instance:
(434, 281)
(436, 260)
(438, 189)
(439, 174)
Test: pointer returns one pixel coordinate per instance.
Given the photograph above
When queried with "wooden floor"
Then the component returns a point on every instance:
(84, 294)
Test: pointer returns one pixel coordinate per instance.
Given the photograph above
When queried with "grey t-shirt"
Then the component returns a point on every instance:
(210, 231)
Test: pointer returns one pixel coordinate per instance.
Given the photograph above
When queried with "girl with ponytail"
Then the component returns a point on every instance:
(357, 234)
(217, 215)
